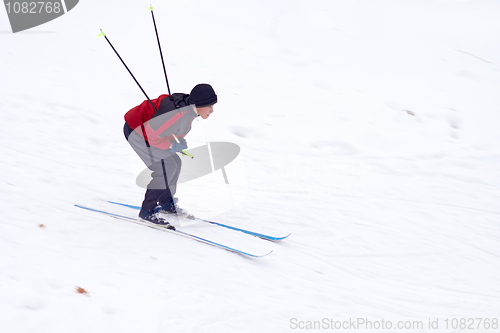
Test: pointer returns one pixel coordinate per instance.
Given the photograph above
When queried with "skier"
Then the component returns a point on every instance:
(156, 134)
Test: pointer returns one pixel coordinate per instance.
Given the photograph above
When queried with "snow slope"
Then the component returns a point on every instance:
(368, 129)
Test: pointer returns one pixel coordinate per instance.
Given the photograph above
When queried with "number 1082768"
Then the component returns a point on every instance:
(34, 7)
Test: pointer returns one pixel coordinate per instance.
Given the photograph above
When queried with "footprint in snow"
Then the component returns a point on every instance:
(454, 121)
(338, 147)
(245, 132)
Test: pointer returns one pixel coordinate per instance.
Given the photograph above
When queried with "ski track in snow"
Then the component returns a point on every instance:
(367, 129)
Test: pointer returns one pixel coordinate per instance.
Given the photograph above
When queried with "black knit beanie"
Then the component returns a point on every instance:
(203, 95)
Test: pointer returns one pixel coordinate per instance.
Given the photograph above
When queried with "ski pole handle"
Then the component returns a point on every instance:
(184, 151)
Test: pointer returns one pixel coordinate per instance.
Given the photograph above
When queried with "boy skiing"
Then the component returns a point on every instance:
(155, 130)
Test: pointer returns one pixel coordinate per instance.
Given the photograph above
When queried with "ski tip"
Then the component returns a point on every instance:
(268, 253)
(257, 255)
(285, 236)
(275, 239)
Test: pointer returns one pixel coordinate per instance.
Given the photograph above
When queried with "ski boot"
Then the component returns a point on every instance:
(173, 208)
(152, 218)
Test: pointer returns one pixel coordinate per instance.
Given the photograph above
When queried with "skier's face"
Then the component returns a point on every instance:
(205, 111)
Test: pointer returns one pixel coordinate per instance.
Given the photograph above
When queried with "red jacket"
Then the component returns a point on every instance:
(142, 112)
(173, 116)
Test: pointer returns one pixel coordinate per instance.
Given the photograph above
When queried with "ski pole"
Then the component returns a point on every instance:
(142, 125)
(123, 62)
(184, 151)
(159, 46)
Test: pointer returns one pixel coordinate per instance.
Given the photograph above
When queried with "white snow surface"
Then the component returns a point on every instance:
(368, 129)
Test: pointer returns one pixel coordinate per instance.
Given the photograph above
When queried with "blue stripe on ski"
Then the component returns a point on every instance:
(122, 204)
(256, 234)
(182, 233)
(107, 213)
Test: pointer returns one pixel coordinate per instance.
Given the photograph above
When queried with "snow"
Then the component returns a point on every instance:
(368, 129)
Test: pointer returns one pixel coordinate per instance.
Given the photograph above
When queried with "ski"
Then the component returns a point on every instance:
(256, 234)
(177, 232)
